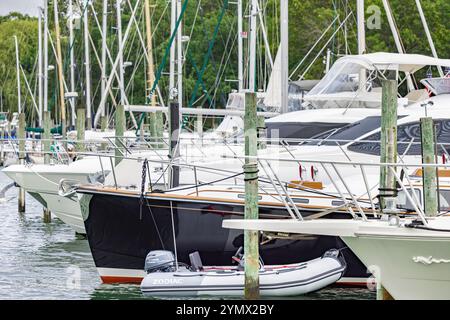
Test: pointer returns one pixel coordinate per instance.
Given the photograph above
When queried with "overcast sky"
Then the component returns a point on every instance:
(24, 6)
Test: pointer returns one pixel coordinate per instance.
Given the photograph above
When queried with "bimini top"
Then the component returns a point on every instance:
(402, 62)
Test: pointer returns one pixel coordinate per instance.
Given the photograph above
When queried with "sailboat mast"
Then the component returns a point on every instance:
(180, 58)
(252, 53)
(104, 44)
(361, 40)
(45, 93)
(87, 64)
(40, 75)
(19, 102)
(284, 47)
(240, 47)
(72, 63)
(119, 39)
(60, 71)
(151, 67)
(173, 18)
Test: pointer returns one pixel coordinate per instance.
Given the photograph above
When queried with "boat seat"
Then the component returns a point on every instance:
(417, 96)
(196, 261)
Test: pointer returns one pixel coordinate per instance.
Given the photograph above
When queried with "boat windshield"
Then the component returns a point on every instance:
(437, 85)
(298, 130)
(342, 77)
(408, 138)
(347, 133)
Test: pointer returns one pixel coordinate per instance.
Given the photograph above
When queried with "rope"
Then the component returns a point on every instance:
(141, 198)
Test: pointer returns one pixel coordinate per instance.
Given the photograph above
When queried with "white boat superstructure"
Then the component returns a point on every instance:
(340, 88)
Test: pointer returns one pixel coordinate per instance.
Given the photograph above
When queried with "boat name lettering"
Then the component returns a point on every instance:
(167, 281)
(429, 260)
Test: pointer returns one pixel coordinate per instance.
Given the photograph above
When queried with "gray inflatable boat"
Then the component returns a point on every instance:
(165, 279)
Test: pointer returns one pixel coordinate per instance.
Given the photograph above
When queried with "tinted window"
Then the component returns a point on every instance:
(349, 132)
(405, 133)
(295, 130)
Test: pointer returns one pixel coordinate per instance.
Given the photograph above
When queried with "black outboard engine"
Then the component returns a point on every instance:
(160, 261)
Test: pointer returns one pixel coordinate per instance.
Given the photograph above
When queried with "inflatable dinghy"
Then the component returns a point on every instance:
(164, 279)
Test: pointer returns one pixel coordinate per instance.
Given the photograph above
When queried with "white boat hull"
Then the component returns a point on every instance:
(408, 268)
(410, 263)
(42, 181)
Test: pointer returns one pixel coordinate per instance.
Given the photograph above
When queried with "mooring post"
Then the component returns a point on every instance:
(142, 131)
(156, 128)
(103, 127)
(2, 151)
(174, 135)
(21, 137)
(388, 148)
(120, 131)
(46, 136)
(251, 238)
(199, 127)
(81, 126)
(388, 154)
(262, 135)
(47, 215)
(429, 174)
(103, 123)
(160, 128)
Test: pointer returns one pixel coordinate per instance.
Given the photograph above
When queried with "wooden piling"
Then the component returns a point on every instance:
(45, 144)
(159, 119)
(251, 238)
(2, 151)
(103, 123)
(199, 126)
(142, 131)
(46, 136)
(430, 195)
(174, 135)
(81, 125)
(388, 148)
(262, 135)
(21, 137)
(103, 127)
(388, 154)
(120, 131)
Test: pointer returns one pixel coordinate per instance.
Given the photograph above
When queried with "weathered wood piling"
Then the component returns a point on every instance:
(262, 135)
(119, 134)
(81, 123)
(251, 238)
(21, 136)
(388, 154)
(45, 144)
(429, 174)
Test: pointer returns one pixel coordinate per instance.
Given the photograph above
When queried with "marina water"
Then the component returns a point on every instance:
(48, 261)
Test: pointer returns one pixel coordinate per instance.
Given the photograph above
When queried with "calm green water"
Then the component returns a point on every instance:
(48, 261)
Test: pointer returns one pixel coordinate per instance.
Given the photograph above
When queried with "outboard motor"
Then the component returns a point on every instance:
(159, 261)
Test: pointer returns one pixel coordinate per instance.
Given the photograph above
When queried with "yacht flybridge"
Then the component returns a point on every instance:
(344, 87)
